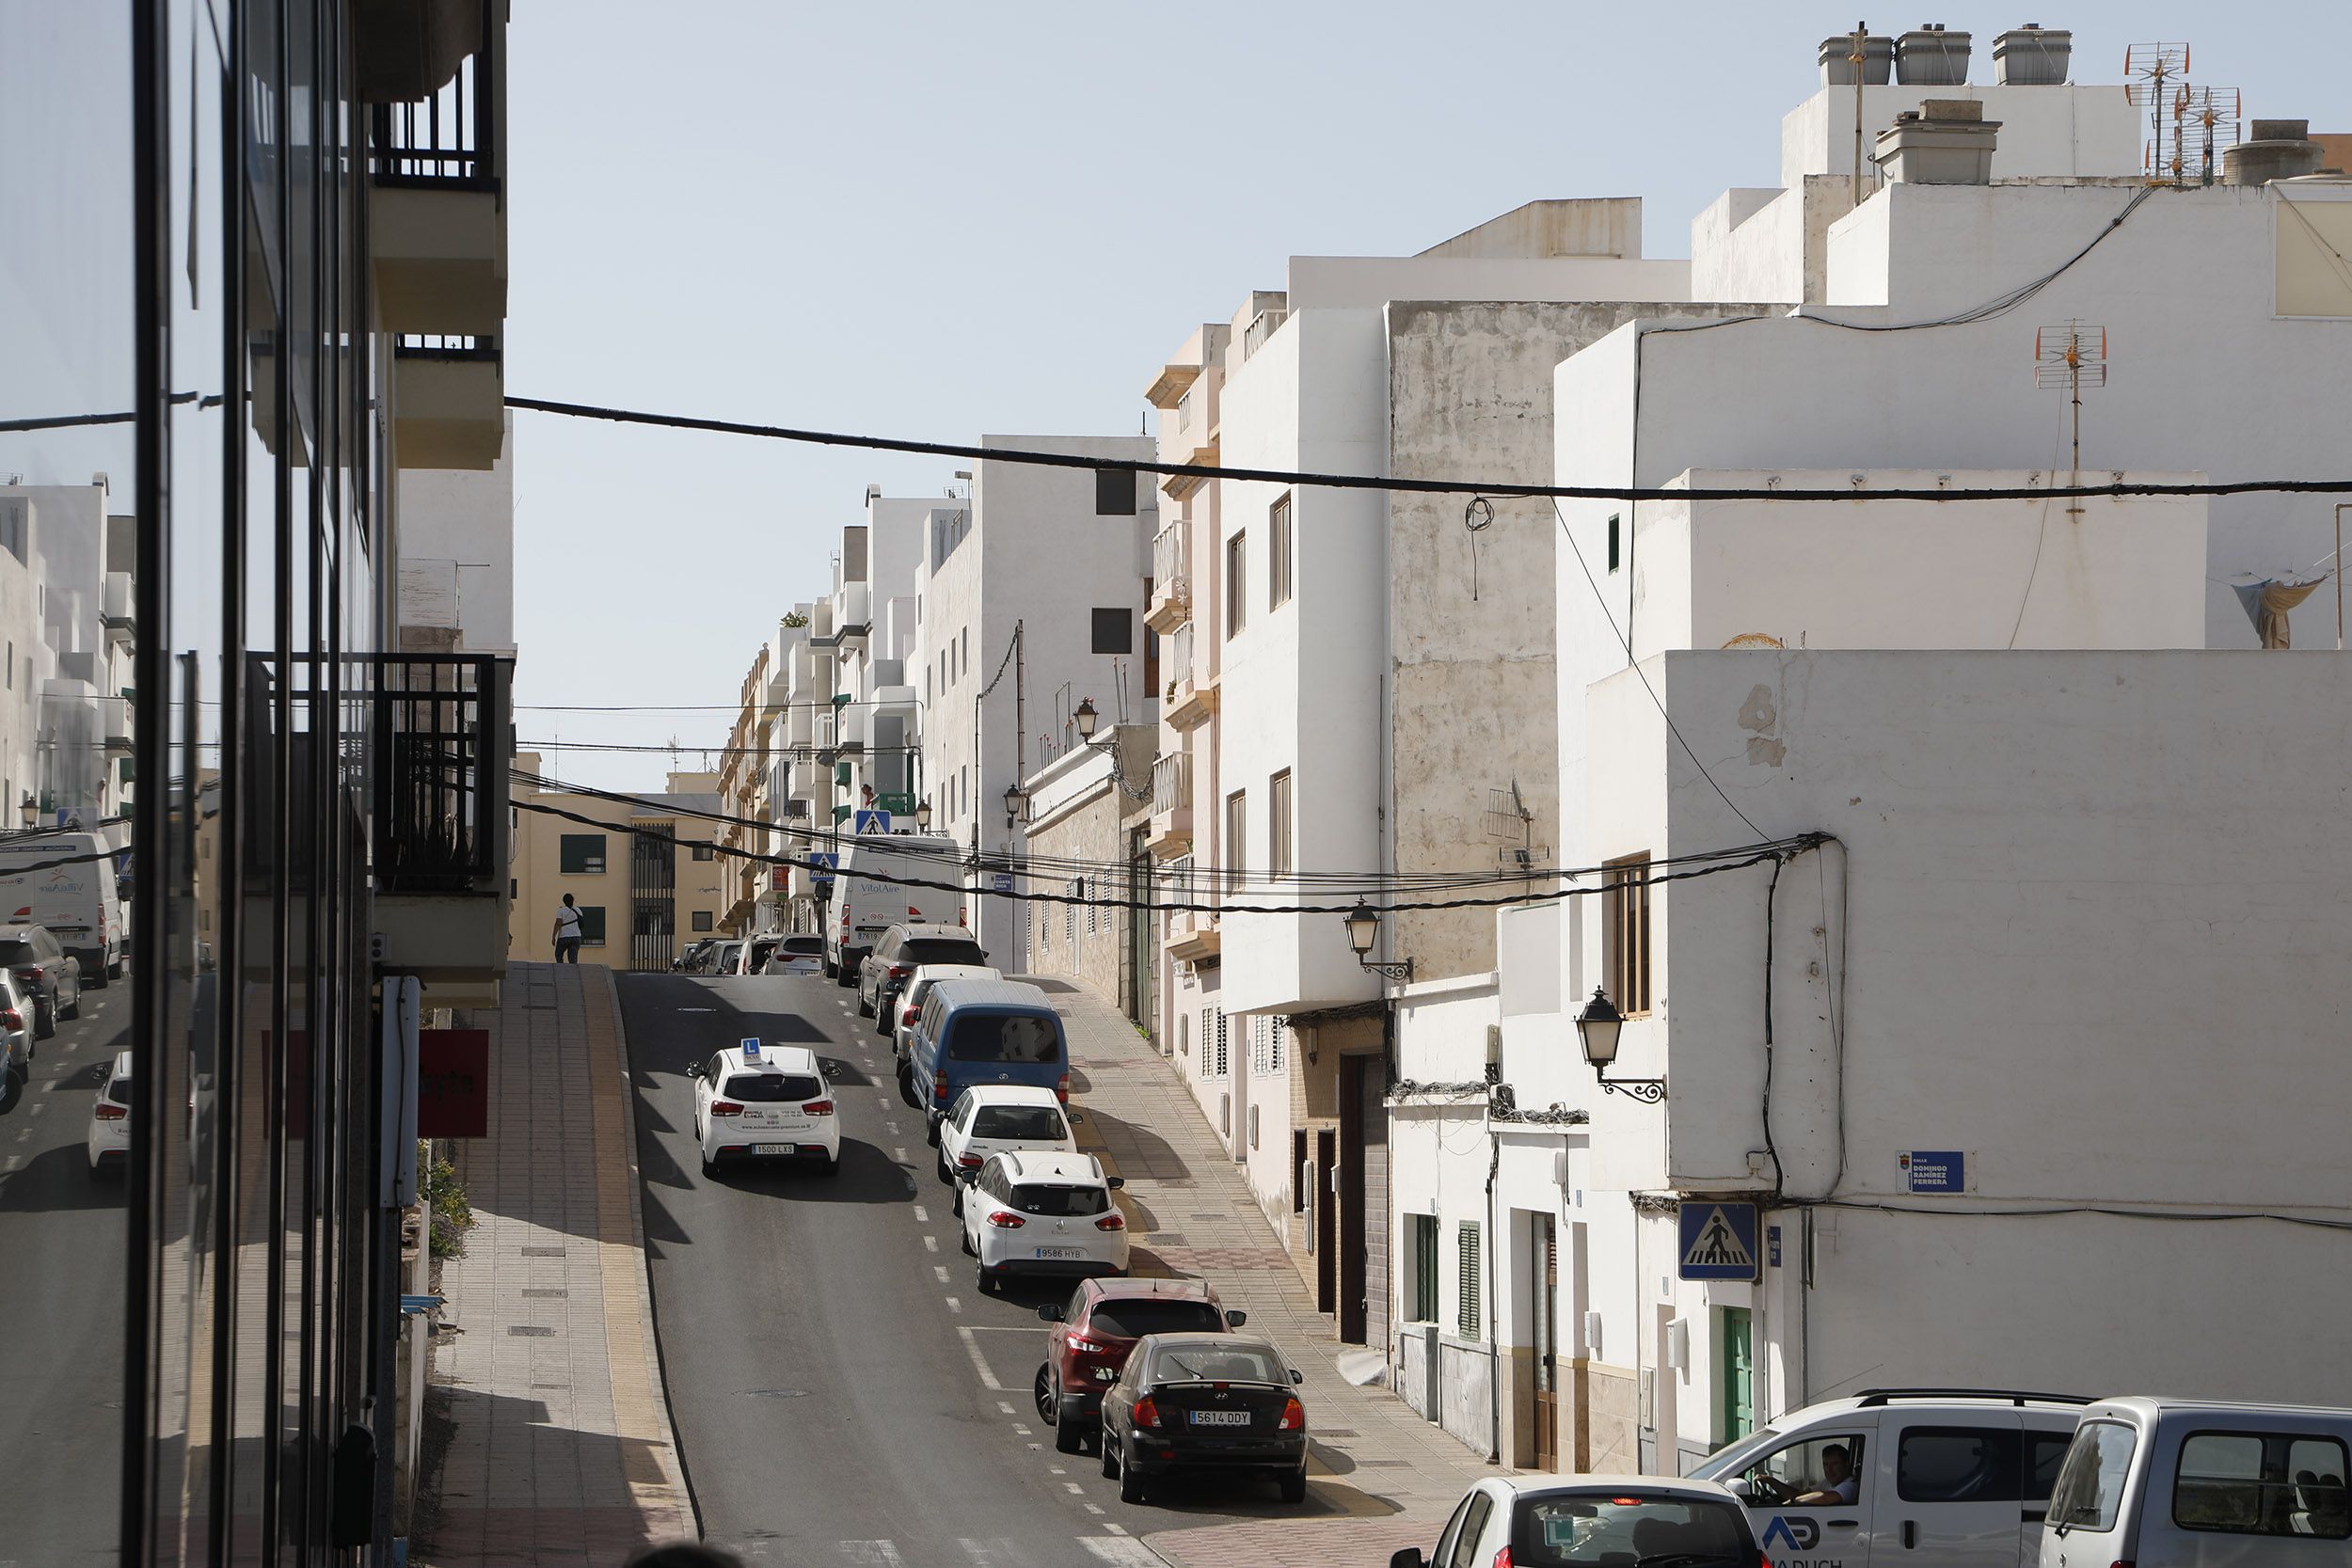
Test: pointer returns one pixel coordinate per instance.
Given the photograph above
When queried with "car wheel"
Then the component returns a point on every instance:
(1292, 1484)
(709, 1168)
(833, 1166)
(1042, 1394)
(75, 1010)
(1069, 1437)
(101, 979)
(1131, 1489)
(847, 976)
(864, 1008)
(931, 1130)
(965, 1237)
(44, 1023)
(939, 1166)
(1110, 1455)
(988, 1281)
(906, 1085)
(955, 1200)
(829, 968)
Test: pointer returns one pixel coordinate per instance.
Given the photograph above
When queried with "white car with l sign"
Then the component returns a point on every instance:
(755, 1101)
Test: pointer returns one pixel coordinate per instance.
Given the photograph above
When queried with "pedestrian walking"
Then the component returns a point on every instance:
(567, 932)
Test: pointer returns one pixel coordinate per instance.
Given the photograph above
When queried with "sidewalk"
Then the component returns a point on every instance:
(562, 1452)
(1393, 1475)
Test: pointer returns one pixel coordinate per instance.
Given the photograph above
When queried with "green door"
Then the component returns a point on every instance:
(1734, 1375)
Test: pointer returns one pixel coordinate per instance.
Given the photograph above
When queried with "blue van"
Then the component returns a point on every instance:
(979, 1032)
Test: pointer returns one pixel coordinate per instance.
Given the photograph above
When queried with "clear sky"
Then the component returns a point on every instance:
(943, 220)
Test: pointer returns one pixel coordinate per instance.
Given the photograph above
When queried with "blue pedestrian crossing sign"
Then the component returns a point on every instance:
(870, 822)
(821, 864)
(1718, 1241)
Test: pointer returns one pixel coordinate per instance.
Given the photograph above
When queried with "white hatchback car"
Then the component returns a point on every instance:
(990, 1119)
(109, 1139)
(1593, 1518)
(755, 1102)
(18, 1018)
(1033, 1214)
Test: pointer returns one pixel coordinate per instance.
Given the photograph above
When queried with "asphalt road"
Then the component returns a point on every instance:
(841, 1390)
(61, 1303)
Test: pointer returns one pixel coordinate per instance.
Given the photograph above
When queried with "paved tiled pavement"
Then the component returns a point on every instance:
(561, 1452)
(1393, 1475)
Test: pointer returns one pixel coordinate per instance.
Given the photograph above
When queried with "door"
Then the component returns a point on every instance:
(1326, 1231)
(1351, 1195)
(1958, 1490)
(1734, 1374)
(1544, 1340)
(1810, 1499)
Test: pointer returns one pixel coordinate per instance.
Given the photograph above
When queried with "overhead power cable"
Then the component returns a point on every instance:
(1424, 486)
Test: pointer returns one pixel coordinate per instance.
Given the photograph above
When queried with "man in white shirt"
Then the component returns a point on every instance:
(568, 933)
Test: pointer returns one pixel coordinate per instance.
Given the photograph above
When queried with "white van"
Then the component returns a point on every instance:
(2199, 1484)
(865, 907)
(1925, 1477)
(78, 902)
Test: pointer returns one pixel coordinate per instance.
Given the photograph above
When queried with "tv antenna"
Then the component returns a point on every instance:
(2206, 120)
(2153, 74)
(2069, 358)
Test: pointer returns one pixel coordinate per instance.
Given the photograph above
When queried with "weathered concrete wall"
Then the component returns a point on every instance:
(1474, 702)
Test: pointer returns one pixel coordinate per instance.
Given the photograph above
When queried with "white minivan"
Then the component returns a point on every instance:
(1925, 1478)
(77, 901)
(865, 907)
(2191, 1484)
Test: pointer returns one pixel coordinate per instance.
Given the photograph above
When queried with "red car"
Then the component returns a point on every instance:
(1094, 1332)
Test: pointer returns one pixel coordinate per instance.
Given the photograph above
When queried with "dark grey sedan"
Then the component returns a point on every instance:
(1187, 1404)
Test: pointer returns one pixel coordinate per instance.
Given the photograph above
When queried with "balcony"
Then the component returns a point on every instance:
(1171, 805)
(443, 738)
(1171, 582)
(1190, 700)
(1193, 937)
(437, 219)
(1169, 388)
(1202, 455)
(117, 612)
(449, 402)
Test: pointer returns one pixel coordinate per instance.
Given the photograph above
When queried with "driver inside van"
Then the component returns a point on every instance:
(1838, 1480)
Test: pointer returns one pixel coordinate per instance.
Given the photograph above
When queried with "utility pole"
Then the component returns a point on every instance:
(1860, 56)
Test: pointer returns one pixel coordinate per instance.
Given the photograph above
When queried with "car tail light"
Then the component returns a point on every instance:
(725, 1108)
(1147, 1414)
(1113, 1221)
(31, 972)
(1087, 1346)
(817, 1108)
(969, 1162)
(899, 971)
(1061, 1090)
(1003, 1220)
(1294, 1420)
(914, 913)
(109, 1111)
(1502, 1558)
(939, 1088)
(11, 1017)
(907, 1018)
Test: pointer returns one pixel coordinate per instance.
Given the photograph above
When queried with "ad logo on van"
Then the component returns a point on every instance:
(1799, 1534)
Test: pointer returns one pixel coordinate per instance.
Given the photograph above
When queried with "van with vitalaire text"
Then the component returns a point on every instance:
(875, 887)
(65, 881)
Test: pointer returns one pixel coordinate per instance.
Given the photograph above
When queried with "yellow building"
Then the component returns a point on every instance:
(643, 900)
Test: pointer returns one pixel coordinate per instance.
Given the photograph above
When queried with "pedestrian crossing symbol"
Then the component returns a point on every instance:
(1718, 1241)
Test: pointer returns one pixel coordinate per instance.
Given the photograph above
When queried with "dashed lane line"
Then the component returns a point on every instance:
(922, 1216)
(979, 1362)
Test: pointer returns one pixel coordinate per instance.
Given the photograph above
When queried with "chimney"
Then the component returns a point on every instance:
(2278, 150)
(2032, 57)
(1930, 58)
(1945, 141)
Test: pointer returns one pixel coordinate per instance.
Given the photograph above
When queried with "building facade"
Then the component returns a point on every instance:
(644, 871)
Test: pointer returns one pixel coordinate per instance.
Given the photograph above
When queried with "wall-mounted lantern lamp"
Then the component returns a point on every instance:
(1016, 804)
(923, 813)
(1363, 930)
(1598, 1026)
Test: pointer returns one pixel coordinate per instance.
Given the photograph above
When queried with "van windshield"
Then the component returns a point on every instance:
(1016, 1038)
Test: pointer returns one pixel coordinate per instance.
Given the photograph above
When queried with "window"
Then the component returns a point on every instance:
(591, 925)
(702, 920)
(1236, 839)
(1298, 1171)
(1214, 1063)
(963, 650)
(2090, 1490)
(1278, 809)
(1236, 583)
(2262, 1483)
(1625, 933)
(1473, 1528)
(1616, 529)
(1420, 1262)
(704, 852)
(1114, 631)
(1277, 1031)
(1277, 553)
(1070, 912)
(1952, 1465)
(1257, 1045)
(1114, 492)
(1802, 1467)
(1467, 1322)
(582, 853)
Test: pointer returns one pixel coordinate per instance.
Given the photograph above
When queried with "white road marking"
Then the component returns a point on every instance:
(37, 1109)
(871, 1551)
(954, 1305)
(1073, 1486)
(900, 1154)
(1020, 1431)
(938, 1270)
(1093, 1509)
(930, 1244)
(979, 1362)
(11, 1162)
(1056, 1471)
(922, 1216)
(1116, 1529)
(1127, 1553)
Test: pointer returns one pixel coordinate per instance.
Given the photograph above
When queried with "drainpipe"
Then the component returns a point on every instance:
(1494, 1349)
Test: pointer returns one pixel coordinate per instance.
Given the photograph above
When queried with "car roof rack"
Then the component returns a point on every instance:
(1870, 1397)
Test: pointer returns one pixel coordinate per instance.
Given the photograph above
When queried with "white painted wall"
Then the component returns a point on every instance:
(2079, 132)
(456, 538)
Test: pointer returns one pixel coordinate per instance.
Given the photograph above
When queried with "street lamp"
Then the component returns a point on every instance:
(1087, 719)
(1363, 930)
(1598, 1026)
(28, 812)
(1016, 803)
(923, 813)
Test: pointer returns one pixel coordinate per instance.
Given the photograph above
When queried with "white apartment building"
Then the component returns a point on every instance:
(2061, 944)
(456, 569)
(66, 569)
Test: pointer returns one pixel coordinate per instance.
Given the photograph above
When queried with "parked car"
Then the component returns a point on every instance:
(865, 905)
(901, 950)
(1943, 1471)
(796, 954)
(40, 966)
(16, 1035)
(983, 1032)
(758, 1101)
(723, 956)
(1092, 1335)
(990, 1119)
(75, 900)
(690, 961)
(1204, 1402)
(752, 956)
(1538, 1521)
(108, 1141)
(2202, 1484)
(908, 1008)
(1051, 1215)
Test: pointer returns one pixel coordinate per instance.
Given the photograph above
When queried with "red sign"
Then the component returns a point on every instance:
(453, 1082)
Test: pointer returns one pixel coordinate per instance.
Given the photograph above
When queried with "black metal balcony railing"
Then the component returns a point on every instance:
(445, 345)
(450, 138)
(442, 752)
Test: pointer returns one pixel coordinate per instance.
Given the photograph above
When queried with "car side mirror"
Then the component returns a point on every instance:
(696, 1070)
(1234, 1319)
(1297, 1376)
(1077, 1118)
(1409, 1557)
(1049, 1313)
(1115, 1182)
(1742, 1490)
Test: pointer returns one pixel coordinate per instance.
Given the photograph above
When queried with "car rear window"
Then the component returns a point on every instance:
(2090, 1490)
(1019, 1121)
(13, 954)
(1058, 1202)
(1005, 1038)
(119, 1090)
(805, 945)
(1212, 1363)
(773, 1087)
(760, 951)
(1634, 1526)
(1133, 1319)
(940, 950)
